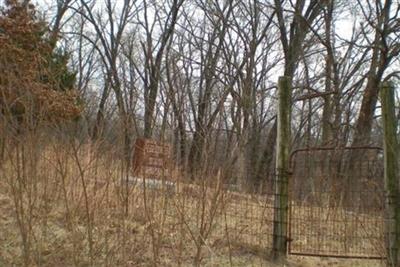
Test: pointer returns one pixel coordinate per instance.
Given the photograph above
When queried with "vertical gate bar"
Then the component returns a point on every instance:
(289, 226)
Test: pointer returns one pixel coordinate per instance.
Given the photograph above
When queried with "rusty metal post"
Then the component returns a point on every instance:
(391, 174)
(280, 232)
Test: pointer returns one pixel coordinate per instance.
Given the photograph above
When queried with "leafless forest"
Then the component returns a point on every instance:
(82, 80)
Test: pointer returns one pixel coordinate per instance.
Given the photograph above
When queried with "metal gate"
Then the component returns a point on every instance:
(336, 206)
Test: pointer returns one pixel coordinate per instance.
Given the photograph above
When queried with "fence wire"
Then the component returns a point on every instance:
(336, 208)
(337, 203)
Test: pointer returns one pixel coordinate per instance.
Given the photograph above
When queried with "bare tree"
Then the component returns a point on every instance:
(381, 17)
(154, 54)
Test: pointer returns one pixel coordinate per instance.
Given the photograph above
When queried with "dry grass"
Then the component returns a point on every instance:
(337, 231)
(65, 206)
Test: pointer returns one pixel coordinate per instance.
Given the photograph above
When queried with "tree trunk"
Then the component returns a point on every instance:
(99, 123)
(264, 168)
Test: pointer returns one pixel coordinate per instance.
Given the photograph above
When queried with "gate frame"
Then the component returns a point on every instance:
(291, 169)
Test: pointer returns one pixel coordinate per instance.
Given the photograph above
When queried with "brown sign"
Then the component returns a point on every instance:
(152, 159)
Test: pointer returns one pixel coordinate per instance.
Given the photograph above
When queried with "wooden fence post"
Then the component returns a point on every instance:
(391, 174)
(279, 246)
